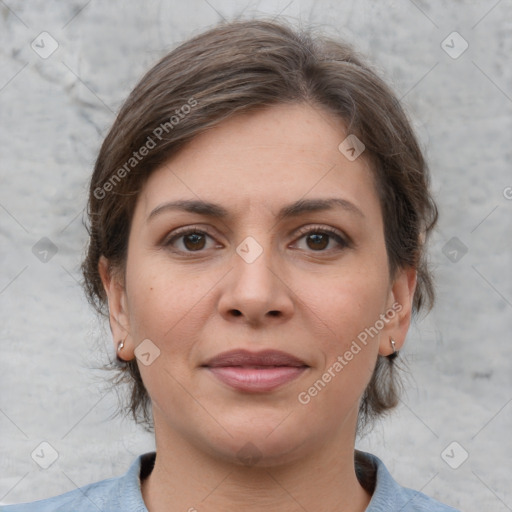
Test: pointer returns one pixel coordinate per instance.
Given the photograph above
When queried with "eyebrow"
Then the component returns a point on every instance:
(295, 209)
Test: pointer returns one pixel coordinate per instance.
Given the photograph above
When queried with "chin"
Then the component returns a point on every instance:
(263, 440)
(257, 452)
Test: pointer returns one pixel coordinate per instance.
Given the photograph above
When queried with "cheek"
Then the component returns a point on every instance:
(162, 300)
(347, 310)
(166, 309)
(346, 307)
(346, 303)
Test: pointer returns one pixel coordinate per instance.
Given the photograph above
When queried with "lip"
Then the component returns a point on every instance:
(247, 358)
(255, 372)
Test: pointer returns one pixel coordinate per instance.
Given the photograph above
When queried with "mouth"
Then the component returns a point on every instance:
(255, 372)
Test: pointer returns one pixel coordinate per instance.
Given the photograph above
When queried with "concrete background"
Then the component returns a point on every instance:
(55, 112)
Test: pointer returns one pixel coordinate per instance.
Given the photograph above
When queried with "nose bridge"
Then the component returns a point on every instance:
(255, 291)
(254, 254)
(253, 269)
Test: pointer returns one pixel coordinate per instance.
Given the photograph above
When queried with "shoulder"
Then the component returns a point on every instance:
(115, 494)
(389, 495)
(85, 498)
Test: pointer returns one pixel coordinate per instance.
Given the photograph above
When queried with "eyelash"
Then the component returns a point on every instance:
(342, 241)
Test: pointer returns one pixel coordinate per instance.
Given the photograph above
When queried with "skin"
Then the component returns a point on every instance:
(305, 295)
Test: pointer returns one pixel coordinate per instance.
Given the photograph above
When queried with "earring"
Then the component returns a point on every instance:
(395, 351)
(120, 360)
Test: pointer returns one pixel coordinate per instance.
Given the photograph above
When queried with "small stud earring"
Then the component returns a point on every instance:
(120, 360)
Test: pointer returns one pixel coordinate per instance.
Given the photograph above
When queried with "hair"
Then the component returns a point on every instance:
(241, 67)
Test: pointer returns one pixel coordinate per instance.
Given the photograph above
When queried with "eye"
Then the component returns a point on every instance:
(189, 240)
(316, 238)
(321, 239)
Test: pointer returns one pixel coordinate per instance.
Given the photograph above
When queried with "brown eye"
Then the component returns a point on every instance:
(194, 241)
(317, 241)
(321, 239)
(190, 240)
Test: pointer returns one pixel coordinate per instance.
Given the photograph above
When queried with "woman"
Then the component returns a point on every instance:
(258, 218)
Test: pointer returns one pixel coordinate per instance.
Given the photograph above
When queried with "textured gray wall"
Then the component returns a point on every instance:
(54, 113)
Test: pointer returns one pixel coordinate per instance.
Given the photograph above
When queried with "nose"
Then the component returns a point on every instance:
(255, 292)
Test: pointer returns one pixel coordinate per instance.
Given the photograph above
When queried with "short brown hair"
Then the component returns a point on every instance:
(239, 67)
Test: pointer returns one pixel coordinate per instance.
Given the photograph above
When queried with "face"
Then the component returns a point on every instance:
(257, 293)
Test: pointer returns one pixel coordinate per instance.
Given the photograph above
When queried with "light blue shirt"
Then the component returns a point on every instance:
(123, 494)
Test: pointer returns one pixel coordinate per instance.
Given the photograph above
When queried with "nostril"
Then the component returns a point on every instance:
(274, 313)
(235, 312)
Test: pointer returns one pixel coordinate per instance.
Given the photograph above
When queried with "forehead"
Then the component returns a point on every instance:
(267, 158)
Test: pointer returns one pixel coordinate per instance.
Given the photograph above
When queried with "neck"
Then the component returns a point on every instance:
(185, 478)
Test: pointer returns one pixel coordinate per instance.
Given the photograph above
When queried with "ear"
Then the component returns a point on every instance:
(398, 311)
(117, 306)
